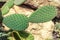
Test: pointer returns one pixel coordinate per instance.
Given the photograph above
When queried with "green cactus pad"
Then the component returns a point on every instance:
(57, 26)
(30, 37)
(16, 22)
(5, 10)
(22, 35)
(18, 2)
(7, 6)
(9, 3)
(43, 14)
(26, 36)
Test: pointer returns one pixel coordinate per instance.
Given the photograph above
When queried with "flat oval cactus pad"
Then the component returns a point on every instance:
(43, 14)
(16, 22)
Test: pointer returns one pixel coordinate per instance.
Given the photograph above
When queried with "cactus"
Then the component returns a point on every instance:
(57, 26)
(26, 36)
(5, 10)
(43, 14)
(16, 22)
(6, 7)
(30, 37)
(19, 22)
(22, 35)
(57, 30)
(18, 2)
(9, 3)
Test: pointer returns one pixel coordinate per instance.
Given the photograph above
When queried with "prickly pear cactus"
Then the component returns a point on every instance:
(57, 26)
(26, 36)
(5, 10)
(6, 7)
(18, 2)
(22, 35)
(9, 3)
(16, 22)
(43, 14)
